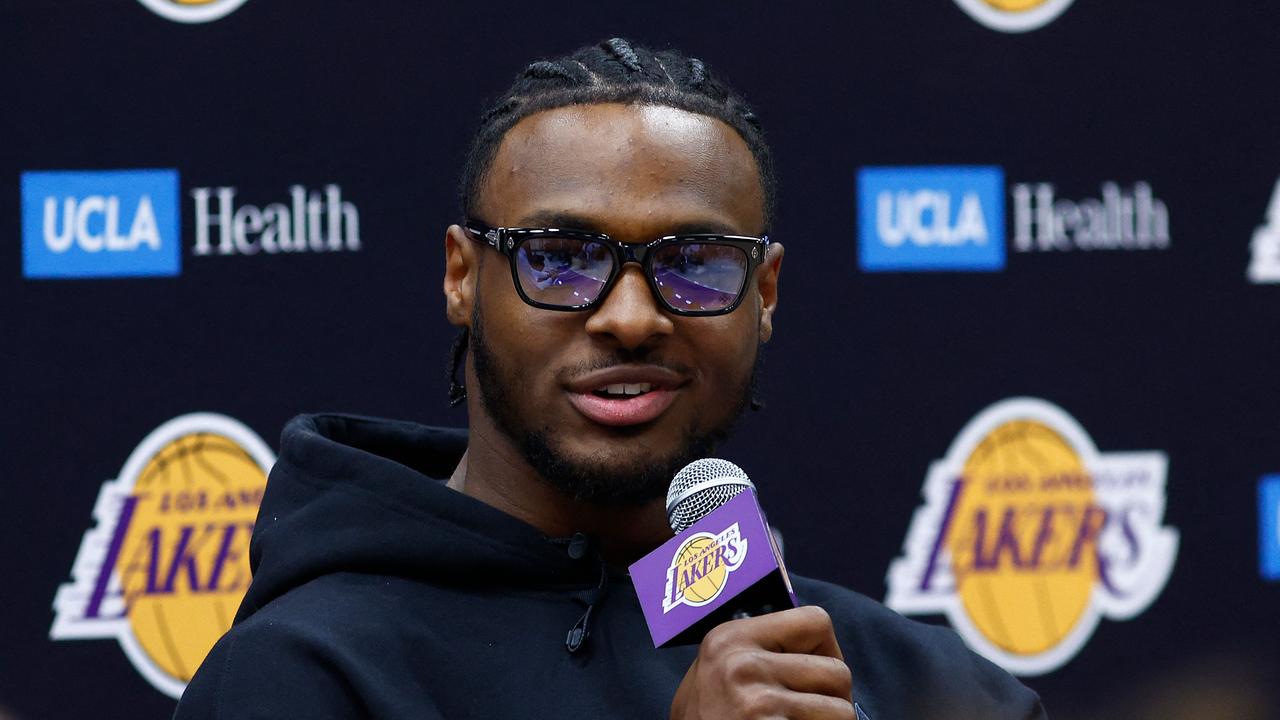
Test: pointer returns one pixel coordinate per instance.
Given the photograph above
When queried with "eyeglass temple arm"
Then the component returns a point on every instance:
(492, 236)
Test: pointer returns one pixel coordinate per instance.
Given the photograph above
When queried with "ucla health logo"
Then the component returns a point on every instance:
(700, 567)
(1269, 527)
(192, 11)
(111, 223)
(931, 218)
(167, 562)
(1013, 16)
(1029, 535)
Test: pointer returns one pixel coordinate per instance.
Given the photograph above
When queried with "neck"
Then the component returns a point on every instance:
(493, 471)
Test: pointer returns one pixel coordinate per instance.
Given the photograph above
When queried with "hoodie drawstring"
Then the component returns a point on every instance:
(579, 547)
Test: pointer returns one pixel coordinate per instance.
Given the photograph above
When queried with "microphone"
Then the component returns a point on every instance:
(723, 563)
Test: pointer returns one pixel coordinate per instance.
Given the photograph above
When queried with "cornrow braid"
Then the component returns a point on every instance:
(697, 72)
(614, 71)
(622, 51)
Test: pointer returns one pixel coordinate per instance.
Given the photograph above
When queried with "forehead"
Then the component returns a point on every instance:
(634, 171)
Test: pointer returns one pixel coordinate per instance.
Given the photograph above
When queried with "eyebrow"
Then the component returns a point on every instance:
(565, 220)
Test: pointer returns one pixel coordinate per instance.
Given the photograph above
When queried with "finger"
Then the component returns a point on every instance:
(802, 706)
(822, 707)
(815, 674)
(804, 630)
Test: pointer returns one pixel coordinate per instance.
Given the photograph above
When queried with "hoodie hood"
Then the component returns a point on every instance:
(374, 490)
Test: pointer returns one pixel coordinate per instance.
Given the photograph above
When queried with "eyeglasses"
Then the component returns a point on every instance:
(697, 274)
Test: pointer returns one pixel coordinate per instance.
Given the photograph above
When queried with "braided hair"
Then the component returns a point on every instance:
(614, 71)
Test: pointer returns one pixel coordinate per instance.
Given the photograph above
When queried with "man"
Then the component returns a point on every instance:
(613, 280)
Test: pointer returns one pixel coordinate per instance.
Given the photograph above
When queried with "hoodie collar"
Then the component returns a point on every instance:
(359, 494)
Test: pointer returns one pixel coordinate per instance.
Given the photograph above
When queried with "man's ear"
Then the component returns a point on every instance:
(461, 272)
(768, 285)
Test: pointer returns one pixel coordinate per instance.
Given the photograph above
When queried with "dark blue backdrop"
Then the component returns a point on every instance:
(870, 375)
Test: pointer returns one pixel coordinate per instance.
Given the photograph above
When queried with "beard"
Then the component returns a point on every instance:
(633, 475)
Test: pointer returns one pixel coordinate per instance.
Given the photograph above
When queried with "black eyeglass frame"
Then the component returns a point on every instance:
(508, 240)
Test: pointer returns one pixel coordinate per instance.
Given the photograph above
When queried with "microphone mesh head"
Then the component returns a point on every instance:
(702, 486)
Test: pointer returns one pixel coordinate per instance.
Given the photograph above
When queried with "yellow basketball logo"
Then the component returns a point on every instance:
(1028, 536)
(1014, 15)
(1015, 5)
(1020, 468)
(704, 588)
(192, 11)
(700, 568)
(168, 563)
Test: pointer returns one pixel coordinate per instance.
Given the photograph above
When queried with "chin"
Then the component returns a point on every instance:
(609, 471)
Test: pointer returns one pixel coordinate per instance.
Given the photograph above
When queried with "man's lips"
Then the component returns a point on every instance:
(621, 412)
(625, 395)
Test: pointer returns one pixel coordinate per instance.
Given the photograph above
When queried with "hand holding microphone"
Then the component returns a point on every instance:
(783, 665)
(722, 580)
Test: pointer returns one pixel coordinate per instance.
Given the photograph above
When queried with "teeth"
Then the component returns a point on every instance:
(627, 388)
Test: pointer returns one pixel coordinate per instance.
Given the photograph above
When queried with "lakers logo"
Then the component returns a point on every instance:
(1029, 536)
(192, 11)
(168, 562)
(700, 567)
(1014, 15)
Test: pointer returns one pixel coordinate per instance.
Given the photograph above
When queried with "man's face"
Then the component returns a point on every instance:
(549, 380)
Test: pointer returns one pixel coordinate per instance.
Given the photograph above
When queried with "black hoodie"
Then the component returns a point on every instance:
(378, 592)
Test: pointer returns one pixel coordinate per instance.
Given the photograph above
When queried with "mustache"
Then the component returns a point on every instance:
(623, 357)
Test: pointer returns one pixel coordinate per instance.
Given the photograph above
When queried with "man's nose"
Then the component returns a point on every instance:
(629, 313)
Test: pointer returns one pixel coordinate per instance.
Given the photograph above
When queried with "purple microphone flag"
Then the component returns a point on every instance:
(702, 570)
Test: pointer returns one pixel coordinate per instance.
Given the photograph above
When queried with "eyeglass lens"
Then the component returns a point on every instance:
(690, 276)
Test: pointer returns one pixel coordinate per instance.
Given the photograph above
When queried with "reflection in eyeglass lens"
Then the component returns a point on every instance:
(563, 271)
(697, 277)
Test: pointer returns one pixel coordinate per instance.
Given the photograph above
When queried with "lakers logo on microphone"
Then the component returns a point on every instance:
(167, 564)
(1014, 15)
(701, 565)
(1029, 536)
